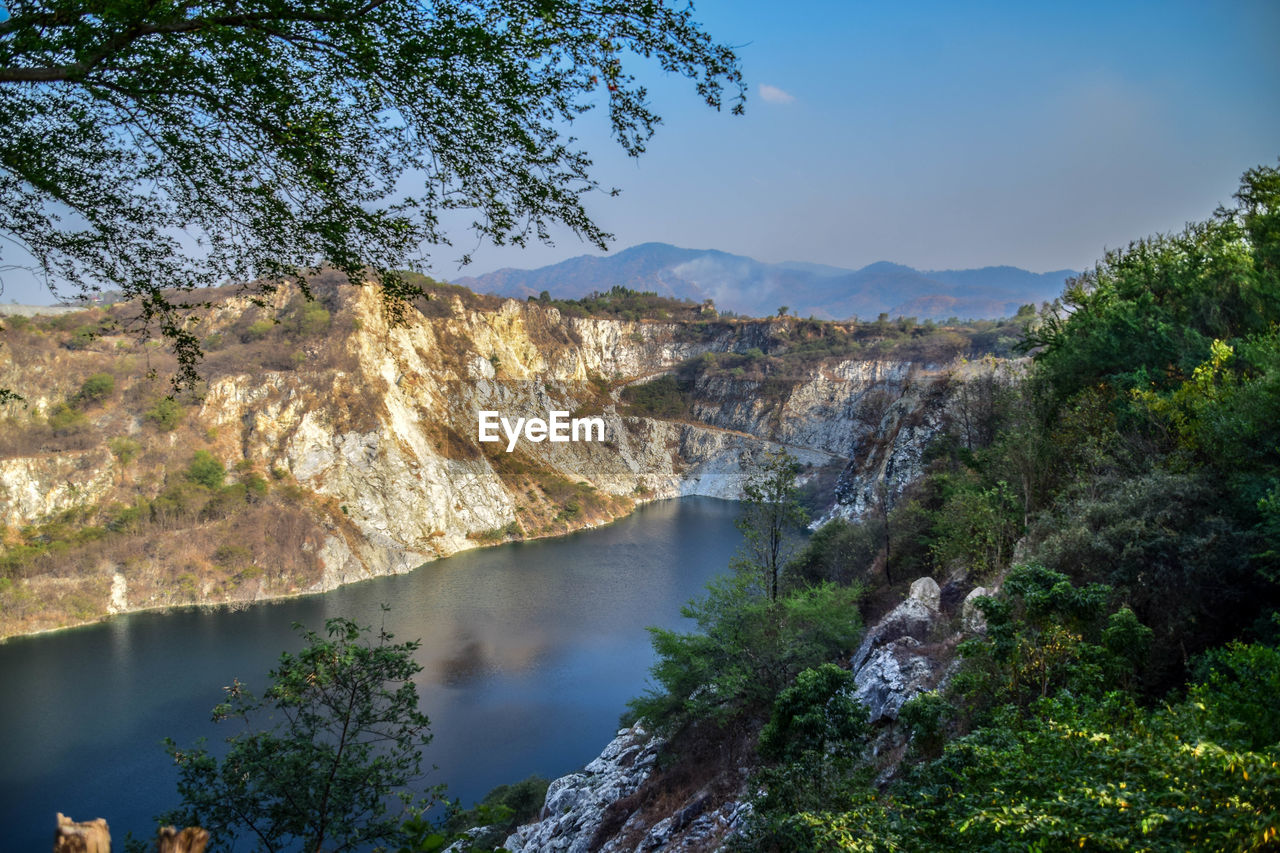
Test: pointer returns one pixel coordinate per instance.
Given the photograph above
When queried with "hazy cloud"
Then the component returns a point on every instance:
(774, 95)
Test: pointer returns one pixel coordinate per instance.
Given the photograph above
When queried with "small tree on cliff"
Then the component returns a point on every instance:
(322, 755)
(752, 639)
(771, 519)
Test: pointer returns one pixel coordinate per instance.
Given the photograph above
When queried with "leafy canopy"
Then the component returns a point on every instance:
(321, 755)
(771, 520)
(171, 145)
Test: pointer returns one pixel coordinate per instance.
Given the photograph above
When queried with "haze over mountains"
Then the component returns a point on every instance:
(747, 286)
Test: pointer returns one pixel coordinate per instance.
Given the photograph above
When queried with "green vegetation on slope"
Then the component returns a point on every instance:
(1122, 695)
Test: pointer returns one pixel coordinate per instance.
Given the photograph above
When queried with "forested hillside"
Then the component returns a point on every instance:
(1118, 689)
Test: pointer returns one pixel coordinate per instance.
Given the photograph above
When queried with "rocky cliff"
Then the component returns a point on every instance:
(908, 651)
(353, 441)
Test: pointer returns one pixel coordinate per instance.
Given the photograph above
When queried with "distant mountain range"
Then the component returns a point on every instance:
(750, 287)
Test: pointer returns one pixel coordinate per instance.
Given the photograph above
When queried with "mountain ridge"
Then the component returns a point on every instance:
(746, 286)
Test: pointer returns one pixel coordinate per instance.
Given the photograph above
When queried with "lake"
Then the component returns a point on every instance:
(529, 653)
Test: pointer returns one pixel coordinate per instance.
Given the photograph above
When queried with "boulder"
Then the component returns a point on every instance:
(892, 674)
(925, 590)
(972, 620)
(893, 663)
(915, 617)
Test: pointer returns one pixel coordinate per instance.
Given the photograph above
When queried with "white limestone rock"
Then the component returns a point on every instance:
(972, 620)
(575, 804)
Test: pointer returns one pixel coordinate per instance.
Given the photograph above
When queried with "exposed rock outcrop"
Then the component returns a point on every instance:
(581, 812)
(575, 805)
(894, 662)
(380, 434)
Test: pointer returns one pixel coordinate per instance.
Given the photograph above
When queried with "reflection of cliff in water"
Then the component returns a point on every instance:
(465, 665)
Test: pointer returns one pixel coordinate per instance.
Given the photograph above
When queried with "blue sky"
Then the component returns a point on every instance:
(948, 134)
(940, 135)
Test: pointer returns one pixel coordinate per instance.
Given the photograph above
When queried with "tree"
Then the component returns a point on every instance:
(747, 648)
(336, 736)
(279, 134)
(771, 516)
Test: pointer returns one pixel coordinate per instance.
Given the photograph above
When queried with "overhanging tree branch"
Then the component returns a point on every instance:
(282, 135)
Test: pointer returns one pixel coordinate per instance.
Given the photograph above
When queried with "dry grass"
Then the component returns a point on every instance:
(551, 503)
(168, 564)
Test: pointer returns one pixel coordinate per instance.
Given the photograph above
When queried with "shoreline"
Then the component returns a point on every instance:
(285, 596)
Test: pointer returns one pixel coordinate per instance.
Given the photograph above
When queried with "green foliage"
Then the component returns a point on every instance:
(1045, 635)
(771, 521)
(813, 716)
(255, 485)
(665, 397)
(1170, 541)
(166, 413)
(283, 137)
(1140, 458)
(977, 529)
(95, 389)
(1145, 317)
(925, 715)
(181, 502)
(500, 812)
(839, 551)
(332, 743)
(1238, 688)
(124, 449)
(747, 648)
(623, 303)
(1075, 774)
(65, 420)
(812, 745)
(257, 330)
(82, 338)
(206, 470)
(309, 319)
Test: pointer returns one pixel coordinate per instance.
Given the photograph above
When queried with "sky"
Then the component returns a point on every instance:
(947, 135)
(938, 135)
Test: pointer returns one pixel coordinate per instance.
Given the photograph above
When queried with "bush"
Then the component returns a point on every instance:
(82, 338)
(664, 397)
(257, 330)
(166, 413)
(65, 421)
(501, 811)
(96, 388)
(839, 551)
(124, 449)
(309, 319)
(812, 744)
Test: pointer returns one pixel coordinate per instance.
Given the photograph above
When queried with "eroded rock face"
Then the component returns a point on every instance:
(908, 651)
(382, 440)
(894, 663)
(91, 836)
(577, 808)
(575, 805)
